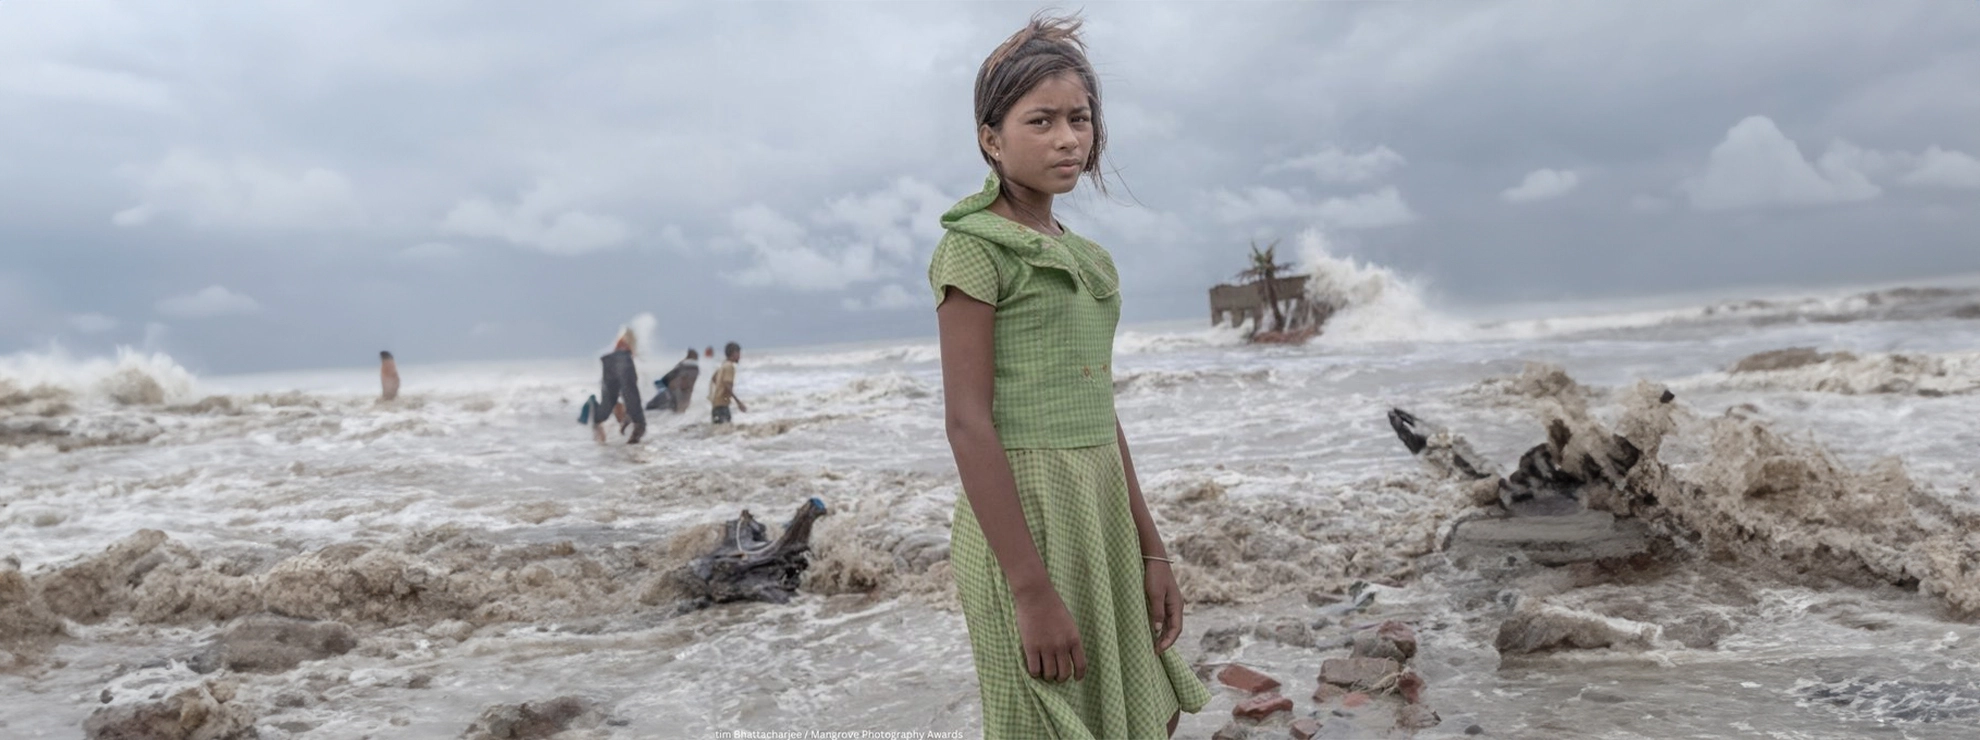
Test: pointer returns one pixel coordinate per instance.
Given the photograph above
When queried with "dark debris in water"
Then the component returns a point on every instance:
(1896, 700)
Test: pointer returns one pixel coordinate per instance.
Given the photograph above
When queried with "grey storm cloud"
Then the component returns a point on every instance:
(300, 185)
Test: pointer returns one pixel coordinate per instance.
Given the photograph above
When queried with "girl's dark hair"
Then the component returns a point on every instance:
(1047, 46)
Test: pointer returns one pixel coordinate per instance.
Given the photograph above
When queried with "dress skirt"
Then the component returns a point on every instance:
(1076, 505)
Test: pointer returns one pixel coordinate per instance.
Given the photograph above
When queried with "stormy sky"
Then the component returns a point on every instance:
(286, 185)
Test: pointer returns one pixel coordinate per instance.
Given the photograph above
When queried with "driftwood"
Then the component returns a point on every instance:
(748, 566)
(1439, 447)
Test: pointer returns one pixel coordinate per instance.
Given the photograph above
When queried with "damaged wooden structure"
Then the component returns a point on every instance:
(1264, 289)
(1236, 304)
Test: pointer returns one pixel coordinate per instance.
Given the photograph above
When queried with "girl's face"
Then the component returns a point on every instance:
(1045, 138)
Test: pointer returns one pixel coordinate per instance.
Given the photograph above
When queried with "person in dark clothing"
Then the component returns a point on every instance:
(620, 385)
(682, 384)
(675, 389)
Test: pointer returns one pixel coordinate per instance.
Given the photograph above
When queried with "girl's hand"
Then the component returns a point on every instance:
(1165, 604)
(1049, 638)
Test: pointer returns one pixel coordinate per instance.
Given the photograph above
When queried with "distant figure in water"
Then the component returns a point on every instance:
(709, 353)
(676, 388)
(620, 386)
(722, 387)
(388, 376)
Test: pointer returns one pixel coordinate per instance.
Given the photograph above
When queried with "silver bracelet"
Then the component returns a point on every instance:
(1165, 560)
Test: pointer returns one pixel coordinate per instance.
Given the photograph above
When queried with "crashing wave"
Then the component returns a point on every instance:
(36, 382)
(1369, 302)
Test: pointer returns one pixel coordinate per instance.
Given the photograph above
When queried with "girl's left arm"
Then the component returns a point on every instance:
(1165, 605)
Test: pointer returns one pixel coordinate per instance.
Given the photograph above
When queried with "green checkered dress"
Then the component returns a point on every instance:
(1058, 301)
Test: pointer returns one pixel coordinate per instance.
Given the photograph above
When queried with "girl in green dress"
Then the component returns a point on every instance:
(1065, 584)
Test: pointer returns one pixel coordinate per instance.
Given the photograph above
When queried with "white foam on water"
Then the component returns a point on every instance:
(1374, 303)
(904, 353)
(1132, 341)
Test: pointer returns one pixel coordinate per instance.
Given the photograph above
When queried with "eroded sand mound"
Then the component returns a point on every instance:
(422, 579)
(1762, 499)
(1806, 369)
(1257, 537)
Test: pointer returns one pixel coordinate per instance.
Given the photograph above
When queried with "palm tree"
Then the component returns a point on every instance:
(1265, 268)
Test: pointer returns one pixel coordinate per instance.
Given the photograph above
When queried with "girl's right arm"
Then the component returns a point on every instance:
(1046, 631)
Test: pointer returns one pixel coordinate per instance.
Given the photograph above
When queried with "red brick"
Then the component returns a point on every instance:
(1259, 707)
(1305, 728)
(1354, 700)
(1246, 679)
(1232, 730)
(1328, 692)
(1410, 686)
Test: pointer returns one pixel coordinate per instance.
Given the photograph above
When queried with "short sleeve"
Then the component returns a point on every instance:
(967, 264)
